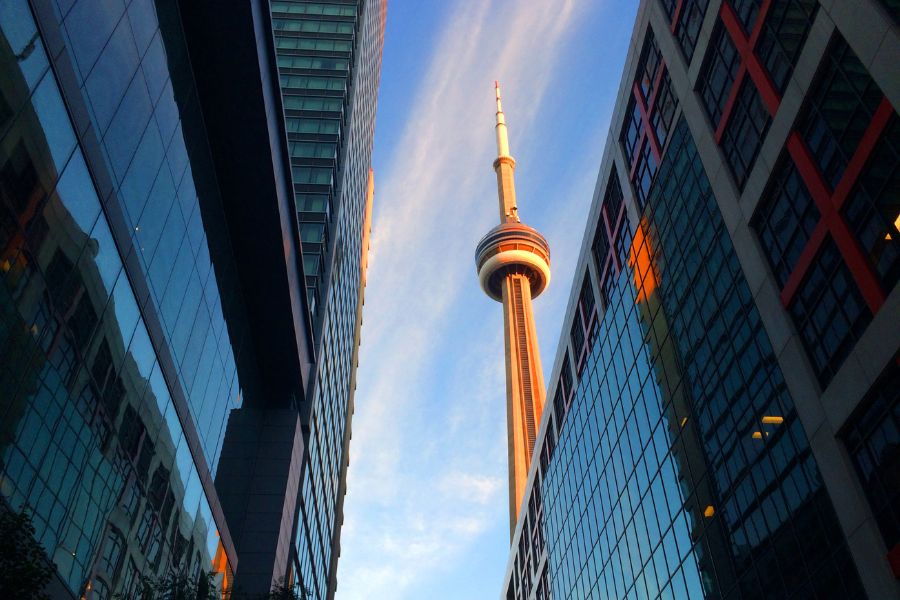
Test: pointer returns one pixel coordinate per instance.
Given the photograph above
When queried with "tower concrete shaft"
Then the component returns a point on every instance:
(513, 262)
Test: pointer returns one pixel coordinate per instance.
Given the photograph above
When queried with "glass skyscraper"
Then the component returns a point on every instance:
(329, 61)
(154, 414)
(725, 410)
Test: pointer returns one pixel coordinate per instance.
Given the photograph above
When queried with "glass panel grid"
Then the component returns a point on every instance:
(839, 108)
(785, 220)
(747, 126)
(872, 208)
(872, 438)
(829, 312)
(661, 431)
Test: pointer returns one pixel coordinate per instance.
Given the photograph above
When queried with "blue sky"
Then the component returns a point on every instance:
(426, 511)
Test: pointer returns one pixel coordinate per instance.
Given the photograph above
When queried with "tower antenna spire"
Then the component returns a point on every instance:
(502, 138)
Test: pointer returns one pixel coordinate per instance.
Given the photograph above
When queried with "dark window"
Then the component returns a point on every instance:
(893, 9)
(747, 11)
(873, 207)
(719, 71)
(586, 299)
(649, 66)
(829, 312)
(785, 221)
(613, 199)
(663, 110)
(689, 23)
(744, 132)
(111, 554)
(872, 437)
(600, 247)
(577, 334)
(840, 107)
(631, 133)
(566, 377)
(646, 171)
(782, 36)
(669, 7)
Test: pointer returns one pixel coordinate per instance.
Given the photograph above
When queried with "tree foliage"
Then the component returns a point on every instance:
(24, 568)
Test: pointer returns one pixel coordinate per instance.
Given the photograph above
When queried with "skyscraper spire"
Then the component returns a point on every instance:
(513, 262)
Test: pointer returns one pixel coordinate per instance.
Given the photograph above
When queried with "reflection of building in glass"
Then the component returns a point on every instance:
(152, 375)
(329, 63)
(90, 442)
(724, 416)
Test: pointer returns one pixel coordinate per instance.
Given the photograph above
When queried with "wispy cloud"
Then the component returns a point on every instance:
(427, 471)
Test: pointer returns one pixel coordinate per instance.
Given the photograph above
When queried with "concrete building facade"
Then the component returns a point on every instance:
(725, 405)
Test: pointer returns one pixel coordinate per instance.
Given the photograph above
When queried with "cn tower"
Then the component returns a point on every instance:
(513, 262)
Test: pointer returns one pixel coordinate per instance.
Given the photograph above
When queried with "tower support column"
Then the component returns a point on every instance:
(524, 385)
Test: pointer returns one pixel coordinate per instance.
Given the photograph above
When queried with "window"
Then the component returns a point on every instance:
(747, 125)
(313, 150)
(600, 247)
(663, 110)
(872, 437)
(342, 27)
(577, 334)
(829, 313)
(631, 133)
(309, 62)
(314, 9)
(323, 45)
(312, 233)
(646, 171)
(873, 207)
(612, 202)
(586, 298)
(893, 9)
(669, 7)
(785, 221)
(719, 72)
(690, 20)
(316, 126)
(111, 555)
(308, 82)
(649, 66)
(841, 105)
(312, 202)
(99, 590)
(312, 175)
(747, 11)
(313, 104)
(782, 36)
(563, 395)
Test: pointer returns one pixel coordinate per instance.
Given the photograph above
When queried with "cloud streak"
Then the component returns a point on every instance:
(427, 473)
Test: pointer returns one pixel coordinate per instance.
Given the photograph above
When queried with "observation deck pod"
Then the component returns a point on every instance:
(512, 248)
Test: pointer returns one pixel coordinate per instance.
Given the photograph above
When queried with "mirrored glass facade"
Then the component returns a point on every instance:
(329, 60)
(682, 470)
(116, 367)
(723, 423)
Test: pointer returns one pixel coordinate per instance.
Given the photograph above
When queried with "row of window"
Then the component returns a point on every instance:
(313, 126)
(318, 44)
(312, 103)
(311, 82)
(331, 10)
(310, 62)
(303, 26)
